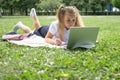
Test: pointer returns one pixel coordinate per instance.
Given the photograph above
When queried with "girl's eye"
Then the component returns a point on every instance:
(73, 20)
(70, 20)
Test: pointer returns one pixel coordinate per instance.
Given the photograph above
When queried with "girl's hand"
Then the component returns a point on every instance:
(58, 42)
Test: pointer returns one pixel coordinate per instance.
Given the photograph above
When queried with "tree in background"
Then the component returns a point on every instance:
(94, 5)
(67, 2)
(8, 5)
(0, 8)
(82, 5)
(48, 5)
(20, 5)
(78, 4)
(116, 3)
(24, 5)
(86, 5)
(103, 5)
(0, 12)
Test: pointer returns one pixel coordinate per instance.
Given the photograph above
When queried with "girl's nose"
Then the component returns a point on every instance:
(71, 23)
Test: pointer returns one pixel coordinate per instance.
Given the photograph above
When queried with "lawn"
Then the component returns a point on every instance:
(26, 63)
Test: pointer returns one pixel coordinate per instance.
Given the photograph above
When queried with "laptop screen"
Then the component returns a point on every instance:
(84, 37)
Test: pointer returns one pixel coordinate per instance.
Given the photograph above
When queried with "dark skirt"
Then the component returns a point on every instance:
(42, 31)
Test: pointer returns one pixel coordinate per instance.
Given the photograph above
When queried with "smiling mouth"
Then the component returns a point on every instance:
(67, 28)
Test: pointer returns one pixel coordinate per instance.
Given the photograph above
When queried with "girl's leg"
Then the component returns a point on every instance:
(35, 18)
(25, 28)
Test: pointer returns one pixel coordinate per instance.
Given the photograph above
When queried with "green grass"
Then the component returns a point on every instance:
(26, 63)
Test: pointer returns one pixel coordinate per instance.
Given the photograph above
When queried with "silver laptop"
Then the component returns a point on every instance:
(84, 37)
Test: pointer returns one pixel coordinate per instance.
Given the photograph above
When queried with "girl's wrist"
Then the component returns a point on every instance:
(54, 42)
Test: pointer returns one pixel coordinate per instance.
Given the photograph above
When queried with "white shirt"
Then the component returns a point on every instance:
(54, 31)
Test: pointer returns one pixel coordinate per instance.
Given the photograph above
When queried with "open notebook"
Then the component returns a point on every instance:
(84, 37)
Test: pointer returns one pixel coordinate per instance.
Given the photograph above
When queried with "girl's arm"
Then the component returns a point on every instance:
(48, 39)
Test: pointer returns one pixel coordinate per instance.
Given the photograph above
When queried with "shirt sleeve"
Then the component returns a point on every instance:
(53, 28)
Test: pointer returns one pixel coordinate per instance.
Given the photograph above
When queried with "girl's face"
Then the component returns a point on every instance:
(69, 21)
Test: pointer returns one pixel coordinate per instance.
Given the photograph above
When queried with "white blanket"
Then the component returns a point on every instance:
(35, 41)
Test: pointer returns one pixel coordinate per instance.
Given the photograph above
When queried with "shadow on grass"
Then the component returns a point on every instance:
(79, 48)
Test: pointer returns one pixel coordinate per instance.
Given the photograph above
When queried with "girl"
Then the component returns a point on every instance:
(58, 31)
